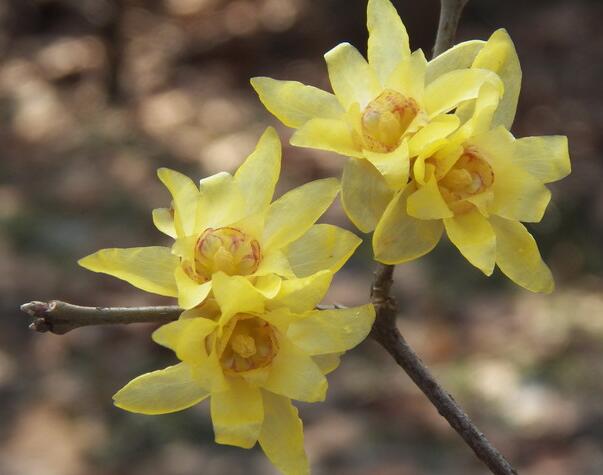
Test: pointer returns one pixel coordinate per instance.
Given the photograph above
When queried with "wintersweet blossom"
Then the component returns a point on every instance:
(228, 224)
(379, 105)
(251, 356)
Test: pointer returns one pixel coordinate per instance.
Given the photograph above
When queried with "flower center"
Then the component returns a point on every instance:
(248, 343)
(228, 250)
(385, 120)
(469, 176)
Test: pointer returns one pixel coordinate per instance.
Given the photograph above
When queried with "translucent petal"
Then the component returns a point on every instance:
(427, 202)
(186, 338)
(460, 56)
(190, 292)
(258, 174)
(392, 165)
(401, 238)
(333, 135)
(184, 194)
(518, 257)
(148, 268)
(388, 39)
(437, 129)
(332, 331)
(237, 414)
(282, 435)
(221, 202)
(294, 103)
(472, 234)
(408, 78)
(364, 194)
(268, 285)
(546, 158)
(226, 287)
(301, 295)
(160, 392)
(275, 262)
(164, 221)
(352, 79)
(295, 375)
(323, 246)
(292, 214)
(327, 363)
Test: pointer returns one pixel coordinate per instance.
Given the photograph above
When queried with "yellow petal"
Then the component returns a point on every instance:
(472, 234)
(295, 375)
(547, 158)
(186, 338)
(301, 295)
(388, 39)
(160, 392)
(226, 287)
(352, 79)
(401, 238)
(282, 435)
(184, 193)
(518, 257)
(327, 363)
(258, 174)
(460, 56)
(450, 89)
(364, 194)
(477, 114)
(332, 331)
(148, 268)
(323, 246)
(190, 292)
(292, 214)
(268, 285)
(409, 77)
(237, 414)
(294, 103)
(333, 135)
(392, 165)
(427, 202)
(221, 202)
(499, 55)
(437, 129)
(275, 262)
(164, 221)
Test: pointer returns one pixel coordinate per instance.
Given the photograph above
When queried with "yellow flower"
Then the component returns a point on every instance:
(377, 106)
(252, 355)
(229, 225)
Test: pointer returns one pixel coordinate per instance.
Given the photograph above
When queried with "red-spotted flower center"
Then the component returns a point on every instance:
(228, 250)
(248, 343)
(470, 175)
(385, 120)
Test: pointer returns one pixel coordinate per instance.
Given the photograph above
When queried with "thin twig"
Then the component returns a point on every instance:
(450, 14)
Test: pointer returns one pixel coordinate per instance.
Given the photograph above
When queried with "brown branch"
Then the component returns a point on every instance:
(450, 14)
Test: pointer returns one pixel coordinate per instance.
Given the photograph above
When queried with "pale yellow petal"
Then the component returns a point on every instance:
(327, 363)
(332, 331)
(301, 295)
(184, 194)
(295, 375)
(292, 214)
(460, 56)
(160, 392)
(394, 165)
(221, 202)
(282, 435)
(547, 158)
(186, 337)
(518, 257)
(275, 262)
(190, 292)
(427, 202)
(472, 234)
(294, 103)
(268, 285)
(438, 128)
(258, 174)
(388, 39)
(401, 238)
(163, 220)
(323, 246)
(237, 414)
(352, 79)
(333, 135)
(235, 294)
(409, 77)
(148, 268)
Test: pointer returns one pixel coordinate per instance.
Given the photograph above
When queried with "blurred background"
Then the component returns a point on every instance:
(95, 95)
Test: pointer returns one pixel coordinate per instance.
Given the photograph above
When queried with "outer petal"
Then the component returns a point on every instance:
(190, 293)
(258, 174)
(268, 285)
(332, 331)
(388, 39)
(460, 56)
(518, 257)
(282, 435)
(237, 414)
(333, 135)
(437, 129)
(148, 268)
(393, 165)
(328, 363)
(450, 89)
(294, 103)
(401, 238)
(235, 294)
(275, 262)
(159, 392)
(351, 77)
(293, 213)
(473, 235)
(364, 194)
(184, 193)
(427, 202)
(221, 202)
(323, 246)
(186, 338)
(547, 158)
(164, 221)
(295, 375)
(301, 295)
(409, 76)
